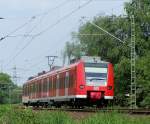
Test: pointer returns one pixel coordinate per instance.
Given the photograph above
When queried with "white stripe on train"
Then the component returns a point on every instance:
(61, 98)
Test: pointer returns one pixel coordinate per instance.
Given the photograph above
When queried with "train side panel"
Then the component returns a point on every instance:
(81, 85)
(109, 93)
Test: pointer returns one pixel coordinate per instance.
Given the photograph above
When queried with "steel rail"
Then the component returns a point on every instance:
(122, 110)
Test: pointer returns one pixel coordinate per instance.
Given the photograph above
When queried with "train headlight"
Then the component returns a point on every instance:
(109, 87)
(82, 86)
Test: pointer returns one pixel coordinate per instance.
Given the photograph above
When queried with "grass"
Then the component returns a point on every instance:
(116, 118)
(4, 109)
(28, 116)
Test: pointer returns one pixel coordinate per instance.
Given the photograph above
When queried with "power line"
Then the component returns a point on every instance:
(33, 17)
(18, 53)
(52, 9)
(51, 60)
(46, 51)
(17, 29)
(49, 27)
(33, 36)
(63, 18)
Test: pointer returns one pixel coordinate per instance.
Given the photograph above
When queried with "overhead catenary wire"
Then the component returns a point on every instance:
(48, 28)
(31, 35)
(63, 18)
(17, 29)
(34, 65)
(30, 20)
(52, 9)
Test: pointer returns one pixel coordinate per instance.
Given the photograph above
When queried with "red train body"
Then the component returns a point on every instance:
(81, 83)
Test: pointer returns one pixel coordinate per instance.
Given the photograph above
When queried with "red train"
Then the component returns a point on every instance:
(86, 82)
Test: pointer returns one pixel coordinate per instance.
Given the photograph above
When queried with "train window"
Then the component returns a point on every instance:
(67, 80)
(45, 85)
(23, 90)
(27, 90)
(62, 81)
(30, 89)
(96, 65)
(57, 82)
(40, 86)
(54, 83)
(96, 74)
(50, 83)
(71, 81)
(33, 87)
(36, 87)
(27, 93)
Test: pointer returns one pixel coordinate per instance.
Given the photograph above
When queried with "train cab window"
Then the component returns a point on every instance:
(96, 74)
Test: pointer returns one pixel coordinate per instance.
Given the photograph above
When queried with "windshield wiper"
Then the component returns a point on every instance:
(97, 79)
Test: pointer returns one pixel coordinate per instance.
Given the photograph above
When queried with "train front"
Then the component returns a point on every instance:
(98, 81)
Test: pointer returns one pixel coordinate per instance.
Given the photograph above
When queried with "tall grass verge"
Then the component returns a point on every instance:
(116, 118)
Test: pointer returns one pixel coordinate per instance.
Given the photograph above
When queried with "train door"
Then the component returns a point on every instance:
(72, 82)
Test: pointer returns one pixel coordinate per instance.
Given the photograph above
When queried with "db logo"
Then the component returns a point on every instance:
(96, 88)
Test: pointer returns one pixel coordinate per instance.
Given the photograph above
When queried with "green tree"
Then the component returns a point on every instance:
(72, 50)
(109, 49)
(9, 92)
(5, 83)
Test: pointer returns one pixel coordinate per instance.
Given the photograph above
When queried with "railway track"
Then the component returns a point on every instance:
(91, 110)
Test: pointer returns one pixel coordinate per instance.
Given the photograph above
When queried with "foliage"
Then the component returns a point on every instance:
(115, 118)
(110, 49)
(28, 116)
(8, 91)
(71, 50)
(5, 83)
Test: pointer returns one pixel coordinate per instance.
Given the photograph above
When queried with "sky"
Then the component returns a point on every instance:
(51, 24)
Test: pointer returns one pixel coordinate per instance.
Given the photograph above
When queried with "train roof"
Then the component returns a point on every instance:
(45, 74)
